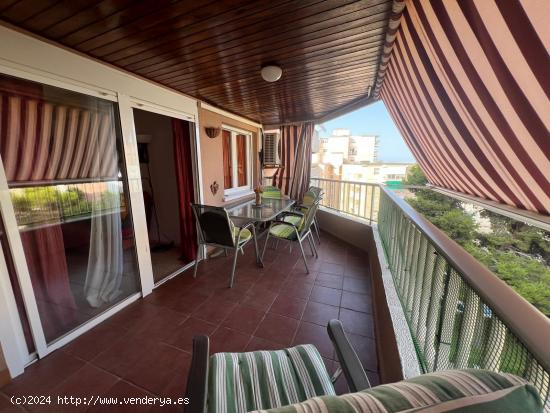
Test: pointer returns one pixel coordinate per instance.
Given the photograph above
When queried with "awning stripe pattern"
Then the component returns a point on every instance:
(468, 87)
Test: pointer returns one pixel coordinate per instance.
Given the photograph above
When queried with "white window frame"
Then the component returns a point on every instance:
(239, 191)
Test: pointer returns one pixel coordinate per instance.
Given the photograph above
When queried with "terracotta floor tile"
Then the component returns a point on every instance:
(365, 348)
(329, 280)
(357, 271)
(357, 302)
(161, 327)
(146, 348)
(188, 301)
(325, 295)
(357, 285)
(124, 353)
(183, 339)
(227, 340)
(124, 389)
(257, 343)
(260, 299)
(317, 335)
(332, 268)
(6, 406)
(43, 376)
(244, 319)
(288, 306)
(89, 344)
(297, 289)
(214, 310)
(155, 369)
(277, 328)
(319, 313)
(88, 382)
(357, 323)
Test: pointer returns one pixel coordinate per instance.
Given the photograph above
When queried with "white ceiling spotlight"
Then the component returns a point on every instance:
(271, 73)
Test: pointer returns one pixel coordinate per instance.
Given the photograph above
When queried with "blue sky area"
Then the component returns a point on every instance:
(374, 120)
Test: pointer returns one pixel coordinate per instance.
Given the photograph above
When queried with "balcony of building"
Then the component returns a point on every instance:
(117, 116)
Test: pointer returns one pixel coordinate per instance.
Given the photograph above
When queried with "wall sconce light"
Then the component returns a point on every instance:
(212, 132)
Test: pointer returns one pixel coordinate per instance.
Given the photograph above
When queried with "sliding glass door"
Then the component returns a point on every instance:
(63, 163)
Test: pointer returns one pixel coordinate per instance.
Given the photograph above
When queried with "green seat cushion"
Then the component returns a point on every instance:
(271, 192)
(282, 231)
(245, 234)
(309, 198)
(242, 382)
(294, 220)
(470, 390)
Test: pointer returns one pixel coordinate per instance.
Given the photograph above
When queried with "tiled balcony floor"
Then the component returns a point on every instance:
(145, 349)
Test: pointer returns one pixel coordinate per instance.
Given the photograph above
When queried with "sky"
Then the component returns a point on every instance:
(374, 120)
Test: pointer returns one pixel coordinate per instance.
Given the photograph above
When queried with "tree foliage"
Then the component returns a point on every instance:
(517, 253)
(415, 176)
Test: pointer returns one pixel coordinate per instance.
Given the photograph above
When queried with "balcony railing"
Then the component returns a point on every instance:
(358, 199)
(460, 314)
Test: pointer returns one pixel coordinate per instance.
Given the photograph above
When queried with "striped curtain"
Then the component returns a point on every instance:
(293, 177)
(468, 86)
(43, 141)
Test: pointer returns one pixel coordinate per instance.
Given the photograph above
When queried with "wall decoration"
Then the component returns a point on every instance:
(214, 188)
(212, 132)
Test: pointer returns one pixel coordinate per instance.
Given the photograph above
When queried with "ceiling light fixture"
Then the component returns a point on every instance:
(271, 73)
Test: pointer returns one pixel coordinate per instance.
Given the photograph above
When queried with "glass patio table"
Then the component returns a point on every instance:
(268, 211)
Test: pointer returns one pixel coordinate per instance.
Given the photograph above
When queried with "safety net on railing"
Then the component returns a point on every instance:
(451, 325)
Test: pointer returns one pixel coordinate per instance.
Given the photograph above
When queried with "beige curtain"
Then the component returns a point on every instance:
(293, 178)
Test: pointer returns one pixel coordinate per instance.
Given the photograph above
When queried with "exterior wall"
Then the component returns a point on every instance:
(212, 153)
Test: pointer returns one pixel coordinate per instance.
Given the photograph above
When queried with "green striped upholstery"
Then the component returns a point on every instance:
(245, 233)
(283, 231)
(471, 391)
(241, 382)
(294, 220)
(271, 192)
(309, 198)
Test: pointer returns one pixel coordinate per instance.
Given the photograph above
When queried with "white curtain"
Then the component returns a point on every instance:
(105, 260)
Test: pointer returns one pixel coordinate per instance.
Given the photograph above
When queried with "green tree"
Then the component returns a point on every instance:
(415, 176)
(517, 253)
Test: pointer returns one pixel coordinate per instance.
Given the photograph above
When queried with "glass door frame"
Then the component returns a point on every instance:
(43, 348)
(11, 331)
(129, 104)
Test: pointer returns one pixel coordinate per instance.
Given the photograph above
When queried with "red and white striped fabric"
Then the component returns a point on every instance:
(468, 86)
(42, 141)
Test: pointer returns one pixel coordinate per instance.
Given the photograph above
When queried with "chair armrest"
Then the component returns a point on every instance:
(197, 379)
(349, 361)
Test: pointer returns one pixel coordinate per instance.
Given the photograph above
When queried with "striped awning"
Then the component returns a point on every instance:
(468, 85)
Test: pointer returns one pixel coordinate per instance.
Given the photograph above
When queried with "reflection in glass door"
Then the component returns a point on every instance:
(62, 158)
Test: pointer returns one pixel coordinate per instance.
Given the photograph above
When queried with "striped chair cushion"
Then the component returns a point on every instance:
(283, 231)
(271, 192)
(241, 382)
(294, 220)
(468, 390)
(309, 198)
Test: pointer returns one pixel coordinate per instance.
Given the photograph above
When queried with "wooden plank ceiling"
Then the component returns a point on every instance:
(213, 50)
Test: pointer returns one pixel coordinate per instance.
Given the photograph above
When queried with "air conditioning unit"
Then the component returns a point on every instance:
(272, 149)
